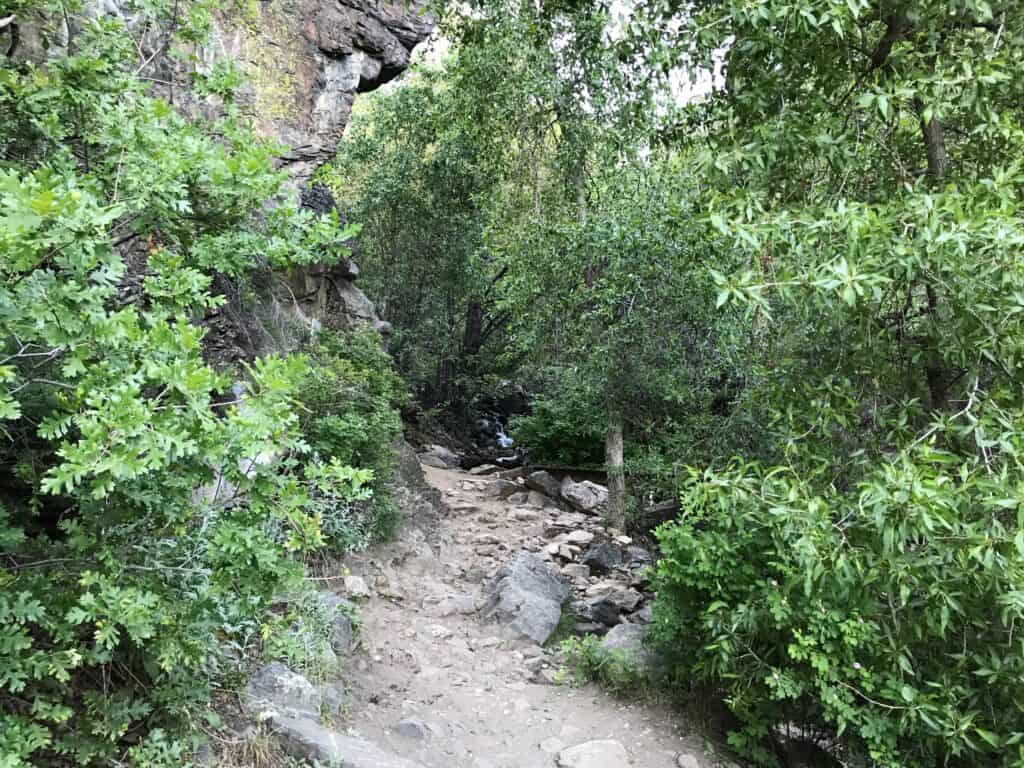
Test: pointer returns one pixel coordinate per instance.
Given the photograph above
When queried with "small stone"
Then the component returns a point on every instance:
(532, 665)
(486, 538)
(624, 540)
(552, 746)
(684, 760)
(536, 499)
(576, 571)
(440, 632)
(462, 604)
(414, 728)
(484, 469)
(605, 753)
(525, 515)
(567, 551)
(580, 537)
(356, 586)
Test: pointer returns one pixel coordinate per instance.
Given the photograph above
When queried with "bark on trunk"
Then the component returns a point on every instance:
(472, 339)
(614, 462)
(936, 374)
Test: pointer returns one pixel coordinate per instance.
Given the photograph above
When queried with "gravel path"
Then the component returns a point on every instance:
(436, 684)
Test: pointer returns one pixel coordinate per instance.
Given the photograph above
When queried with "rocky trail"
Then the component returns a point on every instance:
(451, 670)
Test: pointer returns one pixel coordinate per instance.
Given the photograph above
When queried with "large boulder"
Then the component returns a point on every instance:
(440, 457)
(307, 739)
(292, 706)
(627, 640)
(584, 496)
(543, 482)
(276, 691)
(526, 595)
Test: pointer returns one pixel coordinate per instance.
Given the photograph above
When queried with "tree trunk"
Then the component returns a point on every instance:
(936, 374)
(472, 339)
(614, 466)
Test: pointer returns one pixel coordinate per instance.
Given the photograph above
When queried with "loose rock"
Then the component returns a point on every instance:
(526, 595)
(543, 482)
(594, 754)
(602, 558)
(414, 728)
(356, 586)
(576, 571)
(484, 469)
(585, 496)
(580, 536)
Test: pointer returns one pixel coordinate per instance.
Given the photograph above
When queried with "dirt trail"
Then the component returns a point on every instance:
(465, 692)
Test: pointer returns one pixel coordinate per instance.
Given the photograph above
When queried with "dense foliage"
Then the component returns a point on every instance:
(152, 506)
(780, 242)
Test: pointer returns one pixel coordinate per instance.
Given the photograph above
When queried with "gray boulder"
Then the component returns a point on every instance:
(276, 691)
(543, 482)
(291, 706)
(628, 640)
(585, 496)
(526, 595)
(308, 739)
(602, 558)
(440, 457)
(343, 635)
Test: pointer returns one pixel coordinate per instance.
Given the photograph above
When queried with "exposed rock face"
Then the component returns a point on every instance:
(308, 59)
(304, 61)
(292, 707)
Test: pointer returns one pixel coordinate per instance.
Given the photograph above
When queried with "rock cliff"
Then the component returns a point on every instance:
(303, 62)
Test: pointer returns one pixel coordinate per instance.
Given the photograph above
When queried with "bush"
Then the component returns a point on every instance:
(148, 517)
(349, 415)
(888, 611)
(565, 425)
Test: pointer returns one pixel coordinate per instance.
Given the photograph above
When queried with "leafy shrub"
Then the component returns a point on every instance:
(565, 425)
(888, 611)
(615, 670)
(147, 516)
(349, 415)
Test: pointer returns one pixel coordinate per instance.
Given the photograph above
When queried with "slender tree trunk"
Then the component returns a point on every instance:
(472, 339)
(614, 466)
(936, 374)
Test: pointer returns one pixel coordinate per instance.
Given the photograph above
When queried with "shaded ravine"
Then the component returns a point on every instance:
(439, 685)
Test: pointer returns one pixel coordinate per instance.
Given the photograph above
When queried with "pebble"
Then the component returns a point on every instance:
(414, 728)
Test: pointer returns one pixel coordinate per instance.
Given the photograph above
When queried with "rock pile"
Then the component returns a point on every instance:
(604, 568)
